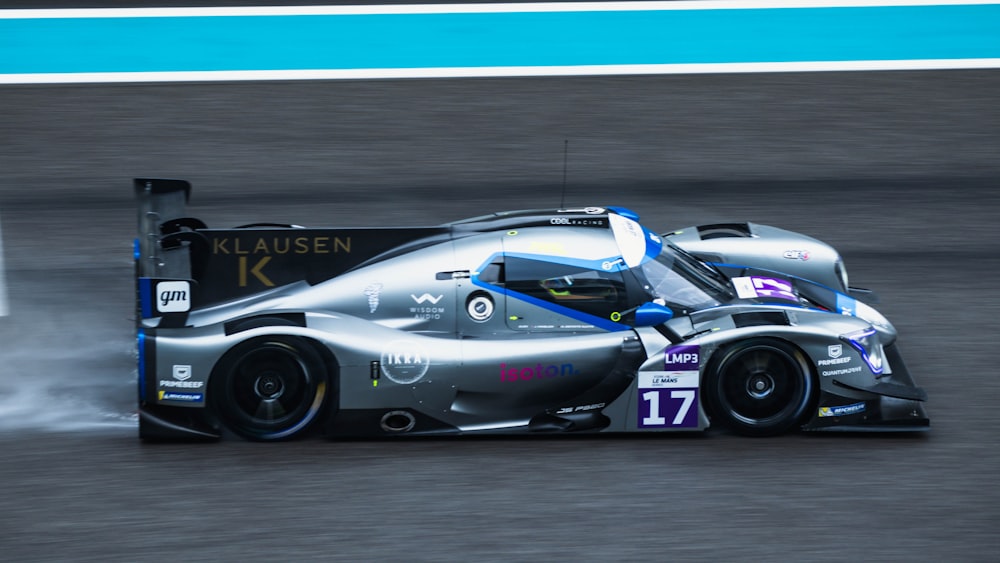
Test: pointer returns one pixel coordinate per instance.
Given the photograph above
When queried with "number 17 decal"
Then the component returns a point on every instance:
(668, 408)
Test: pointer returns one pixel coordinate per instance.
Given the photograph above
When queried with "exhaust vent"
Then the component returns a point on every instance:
(398, 422)
(761, 318)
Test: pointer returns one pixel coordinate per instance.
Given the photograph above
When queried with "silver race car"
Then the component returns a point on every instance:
(568, 320)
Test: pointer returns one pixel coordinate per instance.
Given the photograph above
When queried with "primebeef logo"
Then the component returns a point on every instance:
(173, 297)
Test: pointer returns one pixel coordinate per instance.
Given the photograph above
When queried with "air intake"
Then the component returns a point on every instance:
(724, 230)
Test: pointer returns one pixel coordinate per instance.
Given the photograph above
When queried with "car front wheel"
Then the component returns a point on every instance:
(761, 387)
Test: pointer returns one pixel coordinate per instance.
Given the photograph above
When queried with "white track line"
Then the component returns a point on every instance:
(469, 8)
(489, 72)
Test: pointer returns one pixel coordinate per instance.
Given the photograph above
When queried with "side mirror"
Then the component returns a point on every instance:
(652, 314)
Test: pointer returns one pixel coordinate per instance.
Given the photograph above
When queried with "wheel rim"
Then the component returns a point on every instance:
(270, 390)
(764, 386)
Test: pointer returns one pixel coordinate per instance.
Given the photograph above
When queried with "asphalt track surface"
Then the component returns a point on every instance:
(898, 170)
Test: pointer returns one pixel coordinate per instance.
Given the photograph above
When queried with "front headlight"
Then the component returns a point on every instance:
(869, 314)
(867, 342)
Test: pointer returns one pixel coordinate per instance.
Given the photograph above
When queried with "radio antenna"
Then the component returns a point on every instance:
(562, 201)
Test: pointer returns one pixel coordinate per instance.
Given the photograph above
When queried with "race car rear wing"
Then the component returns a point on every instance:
(223, 264)
(159, 201)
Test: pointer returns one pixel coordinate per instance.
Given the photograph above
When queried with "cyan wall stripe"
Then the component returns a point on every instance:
(137, 44)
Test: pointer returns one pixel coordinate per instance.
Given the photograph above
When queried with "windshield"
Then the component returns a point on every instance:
(683, 281)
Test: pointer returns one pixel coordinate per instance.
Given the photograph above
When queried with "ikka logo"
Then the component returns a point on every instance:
(425, 298)
(835, 350)
(405, 361)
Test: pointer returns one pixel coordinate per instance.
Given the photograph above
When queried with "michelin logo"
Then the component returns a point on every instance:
(842, 410)
(186, 397)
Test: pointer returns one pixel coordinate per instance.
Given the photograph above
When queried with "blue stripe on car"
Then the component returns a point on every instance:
(146, 297)
(141, 342)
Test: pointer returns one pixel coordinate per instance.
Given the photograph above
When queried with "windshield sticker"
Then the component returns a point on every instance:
(630, 238)
(750, 287)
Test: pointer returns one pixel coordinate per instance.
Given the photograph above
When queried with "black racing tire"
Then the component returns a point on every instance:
(270, 388)
(760, 387)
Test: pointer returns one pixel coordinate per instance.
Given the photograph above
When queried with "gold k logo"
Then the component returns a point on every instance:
(255, 271)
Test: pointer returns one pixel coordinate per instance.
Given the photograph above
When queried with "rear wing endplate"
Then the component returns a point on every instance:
(159, 202)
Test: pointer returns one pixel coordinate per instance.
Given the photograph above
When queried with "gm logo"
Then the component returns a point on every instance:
(173, 297)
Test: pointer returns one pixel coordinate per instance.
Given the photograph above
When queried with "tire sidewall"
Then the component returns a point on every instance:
(719, 406)
(314, 403)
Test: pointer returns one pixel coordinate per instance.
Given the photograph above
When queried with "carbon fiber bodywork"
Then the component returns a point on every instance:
(573, 320)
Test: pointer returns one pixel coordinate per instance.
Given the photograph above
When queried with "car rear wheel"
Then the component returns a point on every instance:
(760, 387)
(270, 388)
